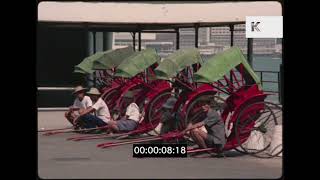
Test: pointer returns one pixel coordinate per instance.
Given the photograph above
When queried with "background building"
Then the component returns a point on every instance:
(211, 41)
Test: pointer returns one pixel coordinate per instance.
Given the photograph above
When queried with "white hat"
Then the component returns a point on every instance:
(78, 88)
(93, 91)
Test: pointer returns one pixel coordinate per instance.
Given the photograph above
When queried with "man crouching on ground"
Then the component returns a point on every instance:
(214, 125)
(80, 103)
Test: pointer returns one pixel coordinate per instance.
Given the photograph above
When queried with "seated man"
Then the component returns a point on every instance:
(81, 102)
(214, 126)
(168, 119)
(131, 119)
(99, 108)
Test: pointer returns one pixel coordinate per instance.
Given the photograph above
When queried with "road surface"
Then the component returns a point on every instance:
(61, 159)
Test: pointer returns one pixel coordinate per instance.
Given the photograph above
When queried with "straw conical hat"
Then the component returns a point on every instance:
(78, 88)
(93, 91)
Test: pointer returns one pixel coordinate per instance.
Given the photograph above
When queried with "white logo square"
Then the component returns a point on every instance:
(264, 26)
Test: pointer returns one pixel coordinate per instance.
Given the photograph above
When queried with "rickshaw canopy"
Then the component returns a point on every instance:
(221, 64)
(137, 63)
(176, 62)
(85, 67)
(112, 58)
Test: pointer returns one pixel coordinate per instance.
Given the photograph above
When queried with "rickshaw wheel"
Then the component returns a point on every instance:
(194, 112)
(259, 118)
(111, 98)
(155, 108)
(122, 107)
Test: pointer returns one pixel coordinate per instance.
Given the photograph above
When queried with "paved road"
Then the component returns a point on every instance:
(58, 158)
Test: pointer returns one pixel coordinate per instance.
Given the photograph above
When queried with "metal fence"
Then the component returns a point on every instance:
(272, 82)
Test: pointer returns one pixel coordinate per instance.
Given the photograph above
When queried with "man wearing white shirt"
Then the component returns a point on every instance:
(131, 119)
(99, 108)
(80, 103)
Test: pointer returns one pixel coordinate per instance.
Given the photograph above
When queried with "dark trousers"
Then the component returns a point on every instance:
(91, 121)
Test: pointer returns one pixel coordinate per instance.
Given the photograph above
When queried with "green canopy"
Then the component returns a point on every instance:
(112, 58)
(85, 67)
(176, 62)
(137, 63)
(219, 65)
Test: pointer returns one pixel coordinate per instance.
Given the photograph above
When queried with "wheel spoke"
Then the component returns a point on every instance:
(265, 123)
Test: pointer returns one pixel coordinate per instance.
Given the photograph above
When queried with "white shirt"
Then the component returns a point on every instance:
(84, 104)
(133, 112)
(102, 110)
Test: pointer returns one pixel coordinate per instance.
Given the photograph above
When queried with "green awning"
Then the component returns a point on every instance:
(85, 67)
(137, 63)
(112, 58)
(176, 62)
(221, 64)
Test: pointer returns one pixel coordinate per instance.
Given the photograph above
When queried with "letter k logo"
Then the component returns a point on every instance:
(254, 26)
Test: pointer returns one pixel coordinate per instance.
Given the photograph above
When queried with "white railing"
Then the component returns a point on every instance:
(53, 109)
(55, 88)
